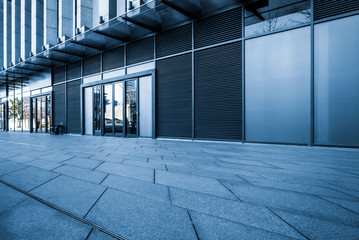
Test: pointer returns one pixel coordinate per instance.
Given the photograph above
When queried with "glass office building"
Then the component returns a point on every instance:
(266, 71)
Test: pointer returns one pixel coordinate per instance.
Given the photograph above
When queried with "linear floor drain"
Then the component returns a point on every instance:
(72, 215)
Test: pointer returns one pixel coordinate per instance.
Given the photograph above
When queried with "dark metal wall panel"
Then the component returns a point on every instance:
(329, 8)
(92, 65)
(218, 92)
(174, 41)
(219, 28)
(174, 97)
(73, 107)
(73, 70)
(140, 51)
(58, 104)
(113, 59)
(58, 75)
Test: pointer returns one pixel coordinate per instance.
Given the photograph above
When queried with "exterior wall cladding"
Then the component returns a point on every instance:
(264, 71)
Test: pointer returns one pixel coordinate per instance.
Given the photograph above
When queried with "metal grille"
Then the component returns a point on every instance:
(174, 41)
(58, 75)
(113, 59)
(174, 97)
(219, 28)
(140, 51)
(73, 70)
(59, 104)
(218, 92)
(329, 8)
(73, 107)
(92, 65)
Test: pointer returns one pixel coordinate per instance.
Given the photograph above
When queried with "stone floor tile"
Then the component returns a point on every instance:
(98, 235)
(81, 173)
(9, 198)
(47, 165)
(10, 166)
(83, 162)
(134, 172)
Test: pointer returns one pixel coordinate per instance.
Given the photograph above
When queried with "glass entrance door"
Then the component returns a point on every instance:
(97, 110)
(2, 117)
(131, 108)
(40, 114)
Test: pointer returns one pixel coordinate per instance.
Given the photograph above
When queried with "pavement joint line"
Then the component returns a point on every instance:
(287, 223)
(98, 165)
(104, 178)
(89, 234)
(70, 214)
(194, 227)
(166, 167)
(229, 190)
(169, 194)
(44, 183)
(338, 205)
(95, 203)
(57, 167)
(154, 175)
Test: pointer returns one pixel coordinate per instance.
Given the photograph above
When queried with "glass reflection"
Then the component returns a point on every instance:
(97, 109)
(278, 15)
(108, 121)
(2, 117)
(118, 109)
(48, 113)
(38, 114)
(18, 112)
(11, 112)
(33, 101)
(26, 112)
(131, 107)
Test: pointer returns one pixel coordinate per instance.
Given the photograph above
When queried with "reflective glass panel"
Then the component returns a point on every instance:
(18, 112)
(278, 15)
(107, 98)
(43, 114)
(48, 113)
(33, 101)
(2, 117)
(118, 109)
(277, 85)
(131, 107)
(11, 114)
(26, 112)
(336, 79)
(97, 110)
(38, 114)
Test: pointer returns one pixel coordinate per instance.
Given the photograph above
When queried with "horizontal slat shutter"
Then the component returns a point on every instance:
(91, 65)
(140, 51)
(73, 70)
(329, 8)
(58, 104)
(113, 59)
(73, 107)
(58, 75)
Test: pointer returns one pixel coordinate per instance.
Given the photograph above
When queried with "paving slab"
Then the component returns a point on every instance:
(81, 173)
(32, 220)
(138, 187)
(47, 165)
(98, 235)
(83, 162)
(213, 228)
(10, 166)
(9, 198)
(28, 178)
(134, 172)
(76, 196)
(138, 218)
(193, 183)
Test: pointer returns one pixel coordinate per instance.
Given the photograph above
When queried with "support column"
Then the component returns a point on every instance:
(37, 26)
(50, 23)
(25, 44)
(15, 31)
(84, 12)
(7, 33)
(107, 10)
(1, 34)
(66, 21)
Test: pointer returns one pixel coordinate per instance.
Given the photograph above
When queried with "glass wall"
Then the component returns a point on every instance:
(118, 108)
(26, 111)
(11, 113)
(18, 112)
(278, 15)
(277, 87)
(107, 95)
(337, 82)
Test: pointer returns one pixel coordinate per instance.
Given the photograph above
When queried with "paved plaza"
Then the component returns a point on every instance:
(84, 187)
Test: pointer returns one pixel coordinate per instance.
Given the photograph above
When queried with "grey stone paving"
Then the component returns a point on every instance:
(168, 189)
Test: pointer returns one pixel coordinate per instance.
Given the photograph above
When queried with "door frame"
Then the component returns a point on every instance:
(41, 95)
(151, 73)
(5, 119)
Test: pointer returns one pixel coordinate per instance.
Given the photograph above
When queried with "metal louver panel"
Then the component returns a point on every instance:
(174, 97)
(329, 8)
(73, 107)
(58, 104)
(219, 28)
(113, 59)
(58, 75)
(174, 41)
(218, 92)
(92, 65)
(73, 70)
(140, 51)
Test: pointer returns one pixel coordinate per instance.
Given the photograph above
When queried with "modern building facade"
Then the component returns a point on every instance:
(266, 71)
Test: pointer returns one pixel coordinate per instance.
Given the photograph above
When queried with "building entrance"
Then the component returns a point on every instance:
(113, 109)
(40, 114)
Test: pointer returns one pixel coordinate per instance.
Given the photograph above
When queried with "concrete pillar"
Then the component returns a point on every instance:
(84, 13)
(25, 44)
(1, 34)
(37, 26)
(66, 21)
(50, 22)
(15, 31)
(7, 33)
(107, 9)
